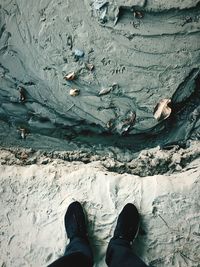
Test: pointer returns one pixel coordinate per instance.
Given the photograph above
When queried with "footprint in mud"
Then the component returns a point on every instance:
(105, 61)
(118, 70)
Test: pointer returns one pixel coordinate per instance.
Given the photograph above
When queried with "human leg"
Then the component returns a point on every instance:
(78, 252)
(119, 252)
(73, 260)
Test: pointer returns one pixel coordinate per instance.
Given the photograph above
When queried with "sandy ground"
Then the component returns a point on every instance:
(87, 147)
(34, 199)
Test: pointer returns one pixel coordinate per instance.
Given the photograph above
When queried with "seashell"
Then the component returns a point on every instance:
(22, 96)
(74, 92)
(162, 110)
(89, 66)
(105, 91)
(70, 77)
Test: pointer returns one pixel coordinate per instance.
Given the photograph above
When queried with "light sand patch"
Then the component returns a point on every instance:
(34, 199)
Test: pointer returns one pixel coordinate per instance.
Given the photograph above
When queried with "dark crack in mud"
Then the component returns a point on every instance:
(141, 52)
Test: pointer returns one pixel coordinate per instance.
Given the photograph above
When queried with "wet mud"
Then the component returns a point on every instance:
(126, 57)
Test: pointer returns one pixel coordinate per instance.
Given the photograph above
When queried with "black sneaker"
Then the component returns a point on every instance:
(75, 221)
(127, 223)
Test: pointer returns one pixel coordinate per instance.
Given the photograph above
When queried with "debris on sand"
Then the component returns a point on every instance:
(105, 91)
(23, 155)
(130, 120)
(187, 19)
(70, 77)
(123, 124)
(74, 92)
(23, 133)
(110, 123)
(138, 14)
(115, 86)
(117, 15)
(22, 95)
(162, 110)
(89, 66)
(69, 41)
(100, 8)
(98, 4)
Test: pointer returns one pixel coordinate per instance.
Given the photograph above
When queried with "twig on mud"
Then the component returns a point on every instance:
(8, 218)
(164, 221)
(11, 238)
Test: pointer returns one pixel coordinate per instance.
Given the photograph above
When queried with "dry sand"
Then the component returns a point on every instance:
(34, 198)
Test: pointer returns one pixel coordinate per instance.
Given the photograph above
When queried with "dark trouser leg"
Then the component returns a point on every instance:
(77, 253)
(119, 254)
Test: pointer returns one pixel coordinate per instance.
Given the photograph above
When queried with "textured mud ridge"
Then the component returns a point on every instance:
(144, 51)
(172, 159)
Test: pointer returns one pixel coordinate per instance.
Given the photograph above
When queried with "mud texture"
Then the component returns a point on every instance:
(142, 52)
